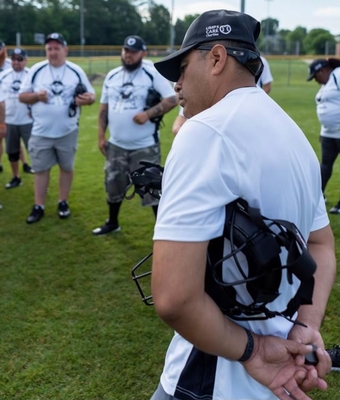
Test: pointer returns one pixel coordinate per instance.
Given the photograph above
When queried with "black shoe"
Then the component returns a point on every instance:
(335, 357)
(28, 169)
(335, 209)
(1, 168)
(36, 214)
(63, 209)
(15, 182)
(107, 228)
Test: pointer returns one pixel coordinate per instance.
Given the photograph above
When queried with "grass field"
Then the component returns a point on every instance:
(72, 324)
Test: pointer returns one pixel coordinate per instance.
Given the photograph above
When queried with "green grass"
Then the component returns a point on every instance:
(72, 324)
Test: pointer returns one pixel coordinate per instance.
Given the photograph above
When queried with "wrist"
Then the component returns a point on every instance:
(249, 347)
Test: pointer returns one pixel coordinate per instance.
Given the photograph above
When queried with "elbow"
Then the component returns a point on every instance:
(169, 307)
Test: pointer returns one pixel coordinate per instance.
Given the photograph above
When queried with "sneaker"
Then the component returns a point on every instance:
(107, 228)
(15, 182)
(36, 214)
(28, 169)
(335, 357)
(335, 209)
(63, 209)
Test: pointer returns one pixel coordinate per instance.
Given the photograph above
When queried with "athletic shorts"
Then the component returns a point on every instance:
(161, 395)
(13, 135)
(120, 163)
(47, 152)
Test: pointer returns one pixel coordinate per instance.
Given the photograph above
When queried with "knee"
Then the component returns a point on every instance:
(13, 157)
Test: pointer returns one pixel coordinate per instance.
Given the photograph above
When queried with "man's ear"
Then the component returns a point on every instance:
(218, 55)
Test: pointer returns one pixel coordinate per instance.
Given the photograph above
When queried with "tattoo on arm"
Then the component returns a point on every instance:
(162, 107)
(103, 118)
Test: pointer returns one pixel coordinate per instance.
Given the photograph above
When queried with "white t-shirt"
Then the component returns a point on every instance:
(125, 93)
(328, 106)
(266, 76)
(52, 119)
(16, 113)
(217, 157)
(6, 65)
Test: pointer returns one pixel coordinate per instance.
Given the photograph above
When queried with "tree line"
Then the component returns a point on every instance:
(108, 22)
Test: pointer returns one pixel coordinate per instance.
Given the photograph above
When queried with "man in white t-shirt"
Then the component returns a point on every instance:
(264, 82)
(225, 152)
(134, 97)
(16, 115)
(55, 89)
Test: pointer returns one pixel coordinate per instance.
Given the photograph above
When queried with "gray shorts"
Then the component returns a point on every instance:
(119, 163)
(161, 395)
(13, 135)
(47, 152)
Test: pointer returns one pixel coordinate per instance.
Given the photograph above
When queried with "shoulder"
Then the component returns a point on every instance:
(113, 72)
(5, 73)
(39, 65)
(75, 67)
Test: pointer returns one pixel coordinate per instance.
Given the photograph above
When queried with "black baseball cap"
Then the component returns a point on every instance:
(315, 66)
(210, 26)
(2, 44)
(57, 37)
(18, 51)
(134, 43)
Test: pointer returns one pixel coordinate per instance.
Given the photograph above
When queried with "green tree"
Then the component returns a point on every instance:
(157, 25)
(295, 40)
(319, 41)
(181, 27)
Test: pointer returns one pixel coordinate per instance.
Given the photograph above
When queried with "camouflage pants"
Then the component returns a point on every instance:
(119, 163)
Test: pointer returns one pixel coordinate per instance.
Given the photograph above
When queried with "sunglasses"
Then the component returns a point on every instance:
(251, 60)
(18, 59)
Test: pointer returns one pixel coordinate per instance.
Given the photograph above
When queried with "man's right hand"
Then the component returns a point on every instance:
(101, 145)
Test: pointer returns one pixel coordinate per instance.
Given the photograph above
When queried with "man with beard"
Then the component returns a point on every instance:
(128, 109)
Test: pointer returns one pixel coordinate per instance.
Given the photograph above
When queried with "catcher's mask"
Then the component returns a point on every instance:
(262, 243)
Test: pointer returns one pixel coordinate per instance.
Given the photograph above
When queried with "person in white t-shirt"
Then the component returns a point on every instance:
(5, 63)
(327, 73)
(264, 82)
(134, 97)
(266, 78)
(16, 115)
(55, 89)
(222, 153)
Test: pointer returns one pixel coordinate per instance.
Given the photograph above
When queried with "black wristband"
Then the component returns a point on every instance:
(249, 348)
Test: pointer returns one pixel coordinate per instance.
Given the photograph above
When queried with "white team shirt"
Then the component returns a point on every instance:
(125, 93)
(328, 106)
(51, 119)
(217, 157)
(16, 113)
(6, 65)
(266, 76)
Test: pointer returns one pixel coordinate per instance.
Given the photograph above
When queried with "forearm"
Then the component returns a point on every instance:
(29, 97)
(102, 121)
(2, 112)
(321, 247)
(162, 107)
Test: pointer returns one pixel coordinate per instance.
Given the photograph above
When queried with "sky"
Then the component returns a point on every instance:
(309, 14)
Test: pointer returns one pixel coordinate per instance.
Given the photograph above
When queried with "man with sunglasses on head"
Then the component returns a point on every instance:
(225, 151)
(14, 114)
(55, 89)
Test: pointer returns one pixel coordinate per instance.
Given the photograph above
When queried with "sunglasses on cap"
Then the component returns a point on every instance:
(250, 59)
(18, 59)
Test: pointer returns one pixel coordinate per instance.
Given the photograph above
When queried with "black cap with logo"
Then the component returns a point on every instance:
(134, 43)
(315, 66)
(57, 37)
(18, 51)
(210, 26)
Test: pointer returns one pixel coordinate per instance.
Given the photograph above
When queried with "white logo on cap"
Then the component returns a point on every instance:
(215, 30)
(131, 41)
(55, 36)
(17, 51)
